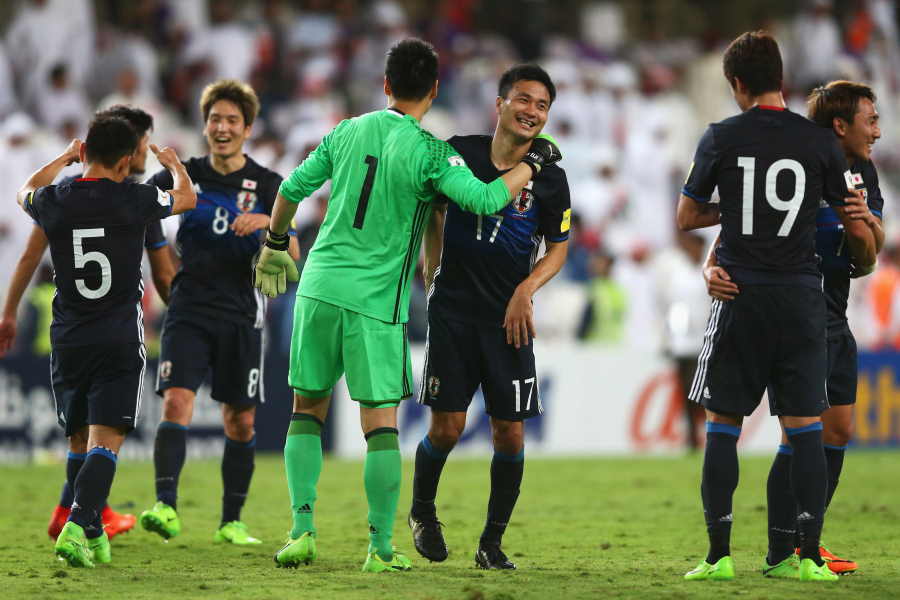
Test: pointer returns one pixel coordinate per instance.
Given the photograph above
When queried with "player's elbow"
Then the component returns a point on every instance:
(184, 200)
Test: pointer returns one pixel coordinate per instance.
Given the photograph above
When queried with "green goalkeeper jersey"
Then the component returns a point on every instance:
(385, 171)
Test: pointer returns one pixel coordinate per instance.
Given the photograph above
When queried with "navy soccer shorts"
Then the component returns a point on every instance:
(194, 346)
(842, 367)
(98, 385)
(768, 336)
(461, 355)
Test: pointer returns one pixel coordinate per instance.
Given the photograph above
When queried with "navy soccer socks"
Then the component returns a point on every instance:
(92, 489)
(720, 478)
(74, 462)
(782, 507)
(237, 470)
(430, 463)
(506, 478)
(834, 456)
(809, 482)
(169, 452)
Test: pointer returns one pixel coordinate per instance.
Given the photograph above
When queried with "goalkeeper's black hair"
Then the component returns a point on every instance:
(755, 59)
(139, 119)
(526, 72)
(108, 140)
(411, 69)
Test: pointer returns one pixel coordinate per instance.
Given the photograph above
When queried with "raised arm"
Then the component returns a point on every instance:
(25, 268)
(184, 198)
(46, 174)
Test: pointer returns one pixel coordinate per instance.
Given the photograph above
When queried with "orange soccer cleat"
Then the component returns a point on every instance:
(58, 521)
(837, 565)
(115, 523)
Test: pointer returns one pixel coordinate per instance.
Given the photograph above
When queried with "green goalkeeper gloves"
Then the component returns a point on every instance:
(274, 267)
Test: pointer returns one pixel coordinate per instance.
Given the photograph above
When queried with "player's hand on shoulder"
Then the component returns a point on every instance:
(166, 156)
(248, 223)
(72, 153)
(7, 334)
(519, 319)
(719, 284)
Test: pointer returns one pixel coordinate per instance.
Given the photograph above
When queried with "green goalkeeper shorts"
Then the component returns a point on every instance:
(329, 341)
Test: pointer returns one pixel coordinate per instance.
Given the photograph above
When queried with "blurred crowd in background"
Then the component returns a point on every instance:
(637, 81)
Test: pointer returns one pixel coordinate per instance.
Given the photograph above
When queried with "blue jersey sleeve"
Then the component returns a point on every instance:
(153, 203)
(701, 179)
(33, 204)
(155, 238)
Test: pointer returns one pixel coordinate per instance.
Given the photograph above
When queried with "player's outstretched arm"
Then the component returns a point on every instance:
(696, 215)
(25, 268)
(46, 174)
(718, 281)
(519, 318)
(184, 198)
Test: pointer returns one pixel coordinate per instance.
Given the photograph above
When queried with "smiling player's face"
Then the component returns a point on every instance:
(863, 132)
(139, 158)
(523, 113)
(225, 129)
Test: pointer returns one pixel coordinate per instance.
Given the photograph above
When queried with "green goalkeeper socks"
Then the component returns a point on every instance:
(303, 464)
(382, 479)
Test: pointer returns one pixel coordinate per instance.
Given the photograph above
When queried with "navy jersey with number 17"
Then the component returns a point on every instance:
(771, 167)
(486, 257)
(96, 231)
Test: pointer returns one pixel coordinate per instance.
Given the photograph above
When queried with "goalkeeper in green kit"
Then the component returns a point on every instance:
(353, 299)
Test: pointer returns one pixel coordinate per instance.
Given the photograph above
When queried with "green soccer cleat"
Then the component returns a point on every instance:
(161, 519)
(723, 570)
(100, 548)
(375, 564)
(235, 532)
(789, 568)
(72, 547)
(810, 571)
(296, 551)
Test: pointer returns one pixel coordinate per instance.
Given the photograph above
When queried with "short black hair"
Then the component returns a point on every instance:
(526, 72)
(139, 119)
(838, 99)
(108, 140)
(411, 69)
(755, 59)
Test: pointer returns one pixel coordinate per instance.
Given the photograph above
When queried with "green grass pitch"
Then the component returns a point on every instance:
(583, 528)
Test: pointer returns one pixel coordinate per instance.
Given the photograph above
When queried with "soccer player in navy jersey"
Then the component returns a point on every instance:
(847, 242)
(772, 168)
(96, 226)
(215, 317)
(162, 269)
(481, 272)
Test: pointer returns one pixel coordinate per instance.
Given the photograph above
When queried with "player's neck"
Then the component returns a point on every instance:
(98, 171)
(768, 99)
(227, 164)
(415, 109)
(507, 151)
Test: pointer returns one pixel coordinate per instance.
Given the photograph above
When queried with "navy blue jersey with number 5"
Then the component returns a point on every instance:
(96, 231)
(486, 257)
(214, 278)
(771, 167)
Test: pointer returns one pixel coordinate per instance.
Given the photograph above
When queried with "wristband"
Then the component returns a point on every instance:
(277, 241)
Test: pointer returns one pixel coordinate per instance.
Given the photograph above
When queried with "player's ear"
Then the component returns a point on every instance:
(124, 164)
(839, 126)
(82, 153)
(434, 89)
(387, 88)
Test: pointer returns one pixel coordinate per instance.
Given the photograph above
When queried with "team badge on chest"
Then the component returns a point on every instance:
(524, 200)
(246, 200)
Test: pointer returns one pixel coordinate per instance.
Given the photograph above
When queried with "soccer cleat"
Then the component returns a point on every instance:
(789, 568)
(428, 539)
(100, 549)
(490, 556)
(838, 566)
(296, 551)
(115, 523)
(58, 521)
(72, 547)
(375, 564)
(810, 571)
(161, 519)
(235, 532)
(723, 570)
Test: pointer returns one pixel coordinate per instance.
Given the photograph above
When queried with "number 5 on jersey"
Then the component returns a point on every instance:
(792, 206)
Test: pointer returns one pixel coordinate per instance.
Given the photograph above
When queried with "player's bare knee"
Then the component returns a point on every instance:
(508, 436)
(178, 406)
(446, 429)
(838, 434)
(78, 441)
(239, 422)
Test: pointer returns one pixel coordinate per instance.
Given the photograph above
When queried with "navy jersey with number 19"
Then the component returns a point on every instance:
(486, 257)
(96, 232)
(771, 167)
